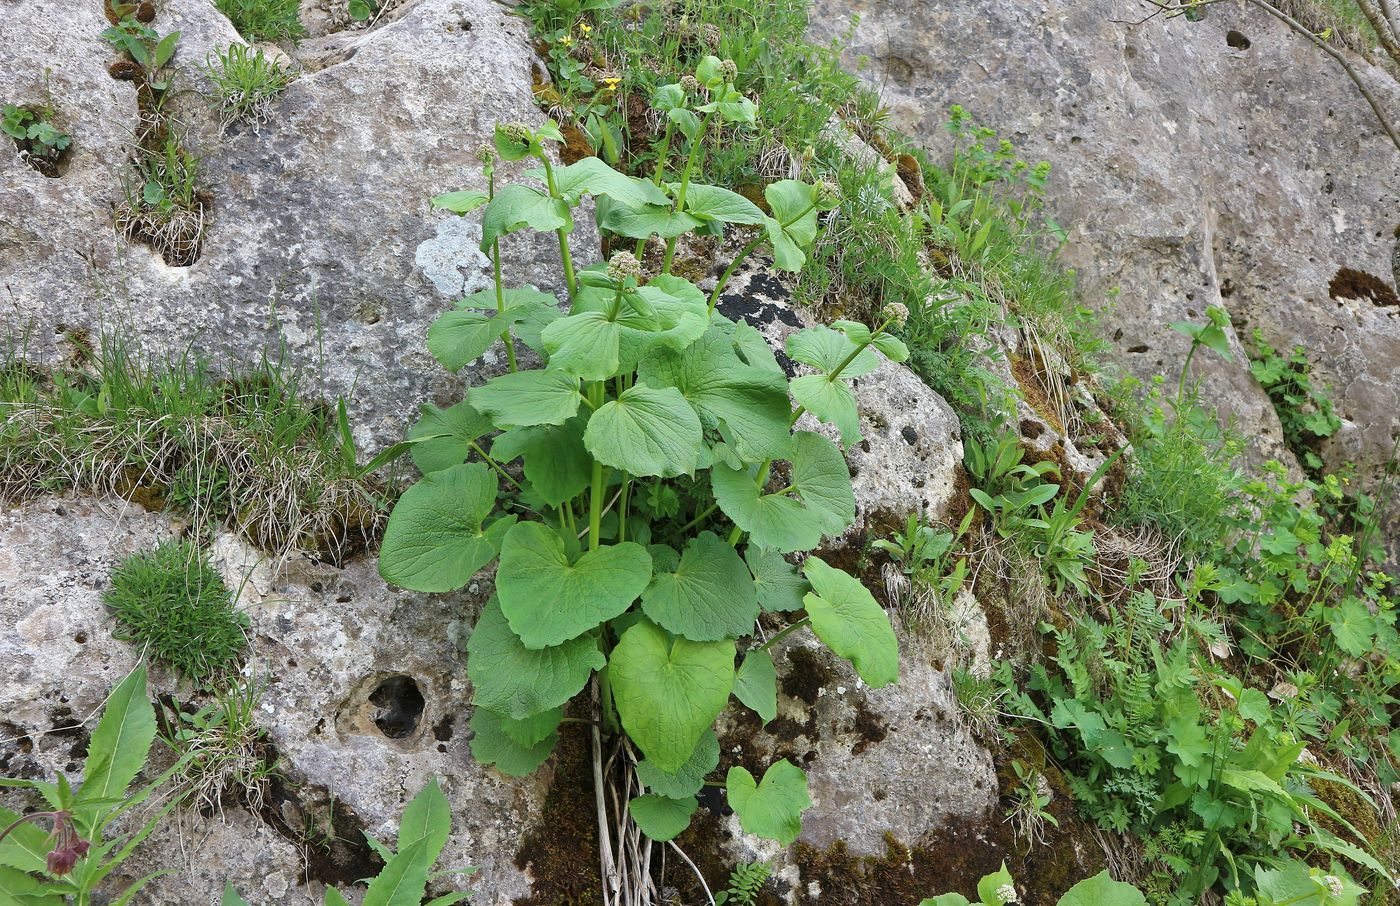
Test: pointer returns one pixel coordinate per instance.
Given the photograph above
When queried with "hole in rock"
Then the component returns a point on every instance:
(1031, 429)
(399, 706)
(1236, 40)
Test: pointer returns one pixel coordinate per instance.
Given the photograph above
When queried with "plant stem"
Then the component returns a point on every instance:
(695, 149)
(787, 630)
(569, 280)
(599, 487)
(660, 171)
(622, 508)
(493, 464)
(743, 254)
(496, 267)
(699, 518)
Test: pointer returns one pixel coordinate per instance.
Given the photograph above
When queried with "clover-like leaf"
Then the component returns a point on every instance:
(520, 682)
(442, 438)
(780, 587)
(527, 398)
(689, 779)
(669, 691)
(646, 431)
(851, 622)
(709, 595)
(549, 600)
(773, 807)
(491, 744)
(435, 540)
(662, 818)
(756, 684)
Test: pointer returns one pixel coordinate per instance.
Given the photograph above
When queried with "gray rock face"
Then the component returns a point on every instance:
(365, 699)
(1192, 171)
(320, 239)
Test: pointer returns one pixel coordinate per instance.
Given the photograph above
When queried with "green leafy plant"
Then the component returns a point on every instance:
(1006, 487)
(264, 20)
(223, 750)
(423, 832)
(246, 82)
(62, 854)
(1029, 811)
(745, 884)
(171, 602)
(40, 141)
(1304, 409)
(1056, 541)
(643, 384)
(999, 889)
(147, 47)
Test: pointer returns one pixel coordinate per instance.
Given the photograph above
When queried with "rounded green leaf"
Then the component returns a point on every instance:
(773, 521)
(594, 177)
(823, 481)
(690, 778)
(772, 808)
(460, 336)
(516, 207)
(549, 600)
(793, 204)
(528, 398)
(825, 349)
(491, 744)
(442, 438)
(1102, 890)
(556, 463)
(851, 622)
(988, 886)
(661, 818)
(715, 203)
(584, 344)
(708, 596)
(756, 684)
(832, 402)
(669, 691)
(520, 682)
(435, 540)
(646, 431)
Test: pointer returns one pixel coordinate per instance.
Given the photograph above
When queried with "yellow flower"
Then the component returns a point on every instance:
(611, 83)
(585, 28)
(566, 40)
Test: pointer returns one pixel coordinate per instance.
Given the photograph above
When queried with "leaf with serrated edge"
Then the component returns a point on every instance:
(690, 778)
(851, 622)
(756, 684)
(491, 744)
(773, 807)
(823, 481)
(518, 681)
(646, 431)
(443, 437)
(528, 398)
(780, 587)
(773, 521)
(435, 540)
(825, 349)
(549, 600)
(708, 596)
(669, 691)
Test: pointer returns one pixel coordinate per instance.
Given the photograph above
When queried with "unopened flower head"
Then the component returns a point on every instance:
(486, 154)
(897, 313)
(710, 34)
(729, 70)
(517, 132)
(1007, 894)
(690, 83)
(624, 265)
(1334, 885)
(828, 195)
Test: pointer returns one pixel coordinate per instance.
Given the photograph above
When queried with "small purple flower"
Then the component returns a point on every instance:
(68, 846)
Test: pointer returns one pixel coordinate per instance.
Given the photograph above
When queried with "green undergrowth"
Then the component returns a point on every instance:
(172, 603)
(249, 450)
(264, 20)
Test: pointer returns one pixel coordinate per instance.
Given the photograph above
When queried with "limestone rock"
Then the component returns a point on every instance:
(320, 241)
(1193, 169)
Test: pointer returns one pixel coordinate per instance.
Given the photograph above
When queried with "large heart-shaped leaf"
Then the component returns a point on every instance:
(851, 622)
(714, 203)
(708, 596)
(690, 777)
(660, 817)
(646, 431)
(585, 344)
(639, 223)
(594, 177)
(461, 335)
(823, 481)
(751, 401)
(669, 691)
(832, 402)
(549, 600)
(520, 682)
(442, 438)
(435, 540)
(525, 398)
(772, 808)
(826, 349)
(1102, 890)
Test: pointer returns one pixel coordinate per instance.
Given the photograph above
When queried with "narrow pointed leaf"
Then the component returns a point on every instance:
(120, 743)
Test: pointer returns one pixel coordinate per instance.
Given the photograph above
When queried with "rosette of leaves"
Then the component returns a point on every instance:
(554, 472)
